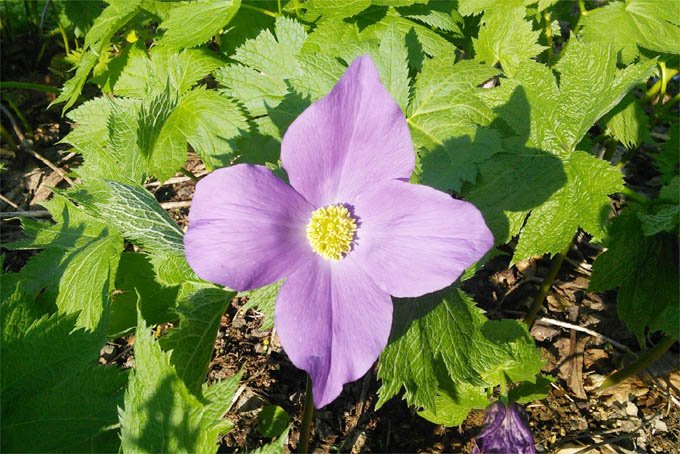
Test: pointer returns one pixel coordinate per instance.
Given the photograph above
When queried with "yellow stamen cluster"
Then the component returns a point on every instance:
(330, 231)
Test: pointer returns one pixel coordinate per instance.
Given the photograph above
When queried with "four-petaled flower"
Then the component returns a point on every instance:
(348, 232)
(505, 431)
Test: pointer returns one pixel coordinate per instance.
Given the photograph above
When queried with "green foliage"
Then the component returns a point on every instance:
(193, 23)
(642, 264)
(161, 414)
(509, 46)
(200, 311)
(262, 300)
(445, 353)
(273, 421)
(628, 123)
(47, 365)
(634, 25)
(81, 260)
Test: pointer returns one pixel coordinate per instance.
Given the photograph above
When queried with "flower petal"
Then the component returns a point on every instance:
(414, 240)
(353, 137)
(333, 322)
(246, 228)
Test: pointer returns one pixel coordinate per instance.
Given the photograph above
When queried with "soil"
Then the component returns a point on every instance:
(641, 414)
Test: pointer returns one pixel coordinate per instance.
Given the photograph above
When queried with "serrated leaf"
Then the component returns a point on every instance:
(582, 202)
(528, 392)
(628, 123)
(192, 342)
(273, 421)
(668, 161)
(454, 402)
(84, 265)
(442, 341)
(634, 24)
(561, 116)
(444, 103)
(113, 17)
(265, 63)
(440, 15)
(275, 447)
(263, 300)
(470, 7)
(335, 9)
(38, 395)
(392, 65)
(135, 280)
(644, 269)
(136, 214)
(160, 413)
(145, 75)
(506, 37)
(193, 23)
(72, 88)
(209, 122)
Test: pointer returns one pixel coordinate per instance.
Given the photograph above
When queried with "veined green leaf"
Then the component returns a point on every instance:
(47, 365)
(161, 414)
(193, 23)
(200, 311)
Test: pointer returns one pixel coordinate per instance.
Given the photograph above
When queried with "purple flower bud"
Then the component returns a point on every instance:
(506, 431)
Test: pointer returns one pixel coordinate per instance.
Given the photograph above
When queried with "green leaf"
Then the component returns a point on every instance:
(84, 264)
(192, 342)
(506, 211)
(263, 300)
(445, 104)
(590, 86)
(97, 40)
(273, 421)
(632, 25)
(161, 414)
(470, 7)
(668, 161)
(275, 447)
(134, 212)
(644, 269)
(335, 9)
(441, 343)
(209, 122)
(392, 65)
(47, 365)
(453, 402)
(193, 23)
(72, 88)
(528, 392)
(136, 280)
(506, 37)
(628, 123)
(582, 202)
(664, 213)
(265, 62)
(144, 75)
(113, 17)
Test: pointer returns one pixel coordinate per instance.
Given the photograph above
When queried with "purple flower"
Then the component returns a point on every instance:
(346, 234)
(506, 431)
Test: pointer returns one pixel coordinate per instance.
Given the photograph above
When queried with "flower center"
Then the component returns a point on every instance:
(330, 231)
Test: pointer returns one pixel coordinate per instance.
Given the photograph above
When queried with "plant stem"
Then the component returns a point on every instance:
(548, 35)
(278, 6)
(641, 363)
(307, 416)
(545, 287)
(189, 174)
(259, 10)
(666, 75)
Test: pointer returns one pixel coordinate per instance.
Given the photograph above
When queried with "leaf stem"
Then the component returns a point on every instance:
(548, 35)
(642, 362)
(193, 177)
(307, 416)
(666, 75)
(555, 265)
(278, 6)
(259, 10)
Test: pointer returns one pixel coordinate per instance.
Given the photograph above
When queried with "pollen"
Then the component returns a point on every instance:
(330, 231)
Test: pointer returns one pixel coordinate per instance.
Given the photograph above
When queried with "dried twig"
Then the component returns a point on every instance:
(566, 325)
(9, 202)
(24, 146)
